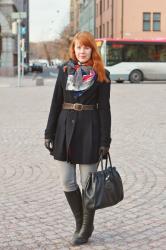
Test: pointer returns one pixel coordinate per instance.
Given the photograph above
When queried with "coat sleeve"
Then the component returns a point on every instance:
(56, 106)
(104, 114)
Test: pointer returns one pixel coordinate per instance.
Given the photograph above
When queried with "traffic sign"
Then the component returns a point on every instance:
(23, 30)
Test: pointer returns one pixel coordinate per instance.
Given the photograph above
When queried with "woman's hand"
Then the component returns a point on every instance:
(49, 144)
(103, 150)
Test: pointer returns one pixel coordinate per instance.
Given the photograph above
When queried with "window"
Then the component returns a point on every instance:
(146, 21)
(108, 29)
(103, 5)
(117, 52)
(156, 21)
(100, 35)
(113, 53)
(103, 30)
(72, 16)
(108, 3)
(96, 32)
(97, 9)
(100, 7)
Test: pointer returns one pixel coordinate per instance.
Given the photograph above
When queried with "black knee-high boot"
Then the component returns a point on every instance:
(87, 226)
(75, 201)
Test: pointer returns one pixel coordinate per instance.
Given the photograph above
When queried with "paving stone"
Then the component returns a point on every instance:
(34, 214)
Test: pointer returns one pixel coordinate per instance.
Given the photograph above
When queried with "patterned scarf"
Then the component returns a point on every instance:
(80, 77)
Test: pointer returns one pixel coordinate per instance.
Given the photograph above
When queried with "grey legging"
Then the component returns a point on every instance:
(67, 173)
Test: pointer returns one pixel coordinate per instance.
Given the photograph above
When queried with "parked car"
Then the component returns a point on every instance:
(37, 67)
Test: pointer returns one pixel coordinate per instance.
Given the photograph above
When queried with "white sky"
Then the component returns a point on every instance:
(47, 18)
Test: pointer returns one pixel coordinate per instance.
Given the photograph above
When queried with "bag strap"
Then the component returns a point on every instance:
(110, 163)
(108, 157)
(100, 161)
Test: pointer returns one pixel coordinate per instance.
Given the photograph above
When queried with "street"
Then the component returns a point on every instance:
(34, 214)
(48, 72)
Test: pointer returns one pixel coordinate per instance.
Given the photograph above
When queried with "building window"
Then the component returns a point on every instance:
(103, 5)
(72, 16)
(100, 35)
(96, 32)
(103, 30)
(108, 3)
(146, 21)
(100, 7)
(108, 29)
(156, 21)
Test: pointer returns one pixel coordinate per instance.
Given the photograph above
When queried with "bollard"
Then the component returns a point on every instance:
(39, 81)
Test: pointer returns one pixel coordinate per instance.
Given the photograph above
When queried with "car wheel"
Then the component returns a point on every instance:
(136, 76)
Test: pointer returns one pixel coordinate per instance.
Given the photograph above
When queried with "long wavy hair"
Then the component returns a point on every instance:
(86, 38)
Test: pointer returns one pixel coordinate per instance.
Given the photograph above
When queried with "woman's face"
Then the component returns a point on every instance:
(83, 53)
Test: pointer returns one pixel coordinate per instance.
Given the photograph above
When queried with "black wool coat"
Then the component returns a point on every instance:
(77, 135)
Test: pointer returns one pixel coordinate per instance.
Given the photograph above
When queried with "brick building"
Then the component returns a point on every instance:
(131, 18)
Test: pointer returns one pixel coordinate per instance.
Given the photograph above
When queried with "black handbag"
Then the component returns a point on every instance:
(103, 188)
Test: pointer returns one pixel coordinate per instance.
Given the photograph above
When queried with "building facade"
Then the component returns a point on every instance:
(104, 17)
(8, 41)
(23, 6)
(131, 19)
(74, 16)
(87, 9)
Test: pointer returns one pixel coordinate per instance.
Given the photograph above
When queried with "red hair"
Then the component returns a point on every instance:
(86, 38)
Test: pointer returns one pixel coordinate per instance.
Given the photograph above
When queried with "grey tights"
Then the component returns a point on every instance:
(67, 173)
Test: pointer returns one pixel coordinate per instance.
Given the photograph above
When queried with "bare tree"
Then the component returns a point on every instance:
(52, 49)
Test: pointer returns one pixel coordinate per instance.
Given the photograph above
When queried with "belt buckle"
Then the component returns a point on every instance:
(78, 106)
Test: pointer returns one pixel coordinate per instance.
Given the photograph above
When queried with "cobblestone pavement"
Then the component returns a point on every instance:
(34, 214)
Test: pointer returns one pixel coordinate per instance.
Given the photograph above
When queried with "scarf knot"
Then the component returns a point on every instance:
(80, 77)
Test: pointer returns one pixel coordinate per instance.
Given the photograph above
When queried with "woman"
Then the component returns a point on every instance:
(79, 125)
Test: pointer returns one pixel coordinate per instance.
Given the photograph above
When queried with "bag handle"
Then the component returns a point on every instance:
(108, 157)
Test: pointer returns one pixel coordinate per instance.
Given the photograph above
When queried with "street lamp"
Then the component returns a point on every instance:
(18, 17)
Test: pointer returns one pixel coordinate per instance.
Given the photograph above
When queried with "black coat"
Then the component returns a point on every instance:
(78, 135)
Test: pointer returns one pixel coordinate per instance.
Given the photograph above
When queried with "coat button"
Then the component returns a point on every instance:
(73, 121)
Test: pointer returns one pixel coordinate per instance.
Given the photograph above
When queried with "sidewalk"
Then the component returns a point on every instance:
(34, 214)
(27, 81)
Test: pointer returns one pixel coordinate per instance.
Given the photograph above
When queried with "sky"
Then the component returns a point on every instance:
(47, 18)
